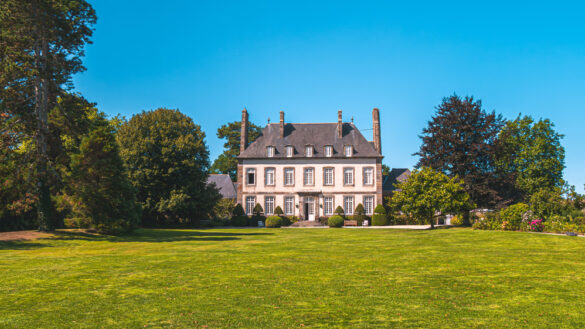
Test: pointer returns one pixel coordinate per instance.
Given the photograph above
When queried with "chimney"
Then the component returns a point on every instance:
(339, 125)
(244, 131)
(281, 124)
(376, 121)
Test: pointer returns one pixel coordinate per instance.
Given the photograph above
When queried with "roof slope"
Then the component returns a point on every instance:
(319, 135)
(224, 184)
(397, 175)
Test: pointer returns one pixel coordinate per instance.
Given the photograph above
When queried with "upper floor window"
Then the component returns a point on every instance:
(309, 176)
(309, 151)
(348, 150)
(328, 151)
(251, 176)
(270, 151)
(289, 176)
(269, 176)
(348, 176)
(289, 151)
(368, 176)
(328, 176)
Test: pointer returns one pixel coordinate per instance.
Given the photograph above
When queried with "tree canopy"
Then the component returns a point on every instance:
(227, 163)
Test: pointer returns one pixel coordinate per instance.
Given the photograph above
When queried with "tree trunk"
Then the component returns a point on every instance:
(432, 221)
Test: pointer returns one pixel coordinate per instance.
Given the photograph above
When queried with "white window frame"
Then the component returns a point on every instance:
(348, 205)
(306, 176)
(270, 150)
(328, 151)
(250, 206)
(348, 176)
(368, 172)
(269, 205)
(269, 180)
(348, 150)
(248, 172)
(368, 204)
(289, 151)
(289, 201)
(326, 180)
(292, 176)
(309, 151)
(328, 205)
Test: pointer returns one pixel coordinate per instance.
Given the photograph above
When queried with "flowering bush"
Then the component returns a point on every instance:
(536, 225)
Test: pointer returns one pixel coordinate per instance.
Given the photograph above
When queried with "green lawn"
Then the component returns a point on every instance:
(285, 278)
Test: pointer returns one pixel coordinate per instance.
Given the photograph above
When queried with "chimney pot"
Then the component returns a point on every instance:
(281, 124)
(376, 122)
(339, 124)
(244, 131)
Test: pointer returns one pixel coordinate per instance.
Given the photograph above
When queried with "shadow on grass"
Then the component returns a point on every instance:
(20, 245)
(153, 235)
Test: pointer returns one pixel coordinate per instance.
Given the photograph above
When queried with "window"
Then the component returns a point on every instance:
(270, 151)
(369, 205)
(348, 205)
(269, 176)
(289, 151)
(269, 205)
(289, 205)
(309, 151)
(328, 151)
(328, 176)
(368, 176)
(348, 150)
(347, 176)
(250, 204)
(308, 177)
(289, 176)
(328, 205)
(251, 176)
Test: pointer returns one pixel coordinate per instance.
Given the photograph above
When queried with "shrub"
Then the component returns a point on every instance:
(380, 210)
(536, 225)
(324, 220)
(238, 210)
(512, 216)
(253, 221)
(339, 211)
(293, 219)
(335, 221)
(457, 220)
(358, 214)
(274, 221)
(400, 219)
(379, 220)
(278, 211)
(224, 208)
(239, 221)
(258, 210)
(285, 221)
(491, 221)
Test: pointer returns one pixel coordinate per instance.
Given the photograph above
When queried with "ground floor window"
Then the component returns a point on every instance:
(269, 205)
(289, 204)
(348, 205)
(328, 205)
(250, 203)
(369, 204)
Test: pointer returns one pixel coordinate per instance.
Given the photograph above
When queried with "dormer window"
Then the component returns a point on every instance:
(348, 150)
(328, 151)
(270, 152)
(289, 151)
(309, 151)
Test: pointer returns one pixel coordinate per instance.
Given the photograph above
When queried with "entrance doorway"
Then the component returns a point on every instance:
(309, 208)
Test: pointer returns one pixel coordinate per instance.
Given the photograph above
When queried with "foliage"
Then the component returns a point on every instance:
(379, 220)
(536, 225)
(460, 142)
(385, 170)
(358, 214)
(457, 220)
(428, 193)
(491, 221)
(324, 220)
(546, 202)
(512, 216)
(224, 208)
(258, 210)
(278, 211)
(380, 210)
(274, 221)
(339, 211)
(167, 160)
(532, 151)
(335, 221)
(239, 221)
(238, 210)
(227, 163)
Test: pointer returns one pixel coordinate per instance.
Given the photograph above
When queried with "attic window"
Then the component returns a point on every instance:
(348, 150)
(289, 151)
(270, 151)
(309, 151)
(328, 151)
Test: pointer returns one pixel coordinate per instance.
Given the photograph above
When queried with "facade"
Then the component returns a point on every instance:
(308, 169)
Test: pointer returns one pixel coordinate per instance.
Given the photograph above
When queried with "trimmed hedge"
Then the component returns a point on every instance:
(339, 211)
(335, 221)
(239, 221)
(379, 220)
(274, 221)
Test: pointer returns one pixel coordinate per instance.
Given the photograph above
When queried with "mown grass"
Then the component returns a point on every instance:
(285, 278)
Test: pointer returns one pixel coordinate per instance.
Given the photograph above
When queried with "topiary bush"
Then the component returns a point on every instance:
(335, 221)
(274, 221)
(358, 214)
(239, 221)
(278, 211)
(339, 211)
(324, 220)
(379, 218)
(285, 221)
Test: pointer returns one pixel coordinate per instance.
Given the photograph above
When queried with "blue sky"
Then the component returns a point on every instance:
(210, 59)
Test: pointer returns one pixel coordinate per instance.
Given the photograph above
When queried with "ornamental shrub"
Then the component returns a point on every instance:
(239, 221)
(274, 221)
(457, 220)
(358, 214)
(339, 211)
(258, 210)
(238, 210)
(253, 221)
(380, 210)
(379, 220)
(511, 217)
(278, 211)
(324, 220)
(536, 225)
(335, 221)
(285, 221)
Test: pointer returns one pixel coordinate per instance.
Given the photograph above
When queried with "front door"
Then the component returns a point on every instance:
(310, 208)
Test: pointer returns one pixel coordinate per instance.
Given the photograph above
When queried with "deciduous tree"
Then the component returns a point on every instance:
(227, 163)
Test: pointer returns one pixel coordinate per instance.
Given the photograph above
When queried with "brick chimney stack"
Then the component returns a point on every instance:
(244, 131)
(339, 124)
(376, 121)
(281, 124)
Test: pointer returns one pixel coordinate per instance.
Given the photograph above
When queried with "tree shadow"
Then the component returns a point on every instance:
(20, 245)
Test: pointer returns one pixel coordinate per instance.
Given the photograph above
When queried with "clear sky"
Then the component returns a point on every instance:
(210, 59)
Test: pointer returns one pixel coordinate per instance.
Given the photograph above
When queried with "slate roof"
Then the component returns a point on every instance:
(319, 135)
(224, 184)
(396, 175)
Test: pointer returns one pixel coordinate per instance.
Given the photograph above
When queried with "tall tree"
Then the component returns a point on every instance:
(168, 164)
(532, 151)
(227, 163)
(41, 45)
(460, 141)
